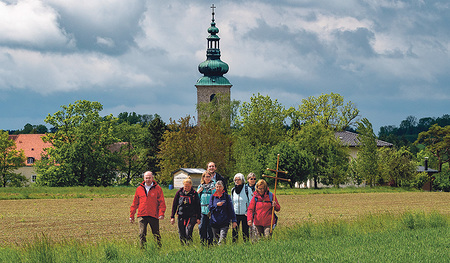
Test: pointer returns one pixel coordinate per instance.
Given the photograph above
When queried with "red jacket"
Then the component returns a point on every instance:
(261, 212)
(148, 204)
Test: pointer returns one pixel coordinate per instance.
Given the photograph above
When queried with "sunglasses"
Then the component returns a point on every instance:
(252, 179)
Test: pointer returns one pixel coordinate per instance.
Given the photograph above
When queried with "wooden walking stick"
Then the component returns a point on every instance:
(275, 190)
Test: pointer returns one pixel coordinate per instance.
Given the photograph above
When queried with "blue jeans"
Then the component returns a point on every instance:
(205, 231)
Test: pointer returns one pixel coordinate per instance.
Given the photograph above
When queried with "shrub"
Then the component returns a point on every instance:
(442, 181)
(419, 180)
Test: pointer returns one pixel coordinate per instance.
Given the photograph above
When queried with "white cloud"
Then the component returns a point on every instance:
(369, 51)
(105, 41)
(31, 23)
(49, 72)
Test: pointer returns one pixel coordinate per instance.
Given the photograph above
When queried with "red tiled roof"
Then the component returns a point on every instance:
(31, 144)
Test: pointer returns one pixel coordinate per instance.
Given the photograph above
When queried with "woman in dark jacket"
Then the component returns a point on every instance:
(187, 206)
(222, 213)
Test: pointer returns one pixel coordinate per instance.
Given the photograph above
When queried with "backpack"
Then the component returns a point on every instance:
(275, 217)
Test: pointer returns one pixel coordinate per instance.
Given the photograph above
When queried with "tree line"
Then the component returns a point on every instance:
(409, 129)
(89, 149)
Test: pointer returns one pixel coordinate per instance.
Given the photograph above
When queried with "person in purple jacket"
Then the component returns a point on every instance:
(222, 213)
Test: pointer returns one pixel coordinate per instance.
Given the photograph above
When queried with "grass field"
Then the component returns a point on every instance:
(100, 219)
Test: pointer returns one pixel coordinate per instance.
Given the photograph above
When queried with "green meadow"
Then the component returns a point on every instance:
(410, 237)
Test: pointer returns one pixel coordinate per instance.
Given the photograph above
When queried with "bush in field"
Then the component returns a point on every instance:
(442, 181)
(419, 180)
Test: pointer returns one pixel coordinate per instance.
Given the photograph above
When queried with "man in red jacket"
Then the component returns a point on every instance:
(149, 201)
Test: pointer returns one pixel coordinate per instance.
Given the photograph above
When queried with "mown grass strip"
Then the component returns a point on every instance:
(410, 237)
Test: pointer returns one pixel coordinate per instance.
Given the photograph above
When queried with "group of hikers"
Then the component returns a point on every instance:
(249, 205)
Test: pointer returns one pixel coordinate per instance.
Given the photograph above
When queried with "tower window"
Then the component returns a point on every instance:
(211, 98)
(30, 160)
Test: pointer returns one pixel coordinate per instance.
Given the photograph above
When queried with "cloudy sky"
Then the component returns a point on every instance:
(391, 58)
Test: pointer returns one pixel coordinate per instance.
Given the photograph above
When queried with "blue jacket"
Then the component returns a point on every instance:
(205, 195)
(221, 215)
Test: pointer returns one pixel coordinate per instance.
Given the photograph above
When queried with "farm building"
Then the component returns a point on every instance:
(182, 173)
(350, 139)
(33, 147)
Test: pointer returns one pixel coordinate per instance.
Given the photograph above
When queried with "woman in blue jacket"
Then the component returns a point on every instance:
(206, 188)
(222, 213)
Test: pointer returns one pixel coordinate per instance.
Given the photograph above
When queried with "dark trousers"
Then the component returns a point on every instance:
(185, 229)
(205, 231)
(241, 220)
(154, 225)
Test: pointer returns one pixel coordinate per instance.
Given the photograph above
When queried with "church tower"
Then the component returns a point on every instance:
(213, 82)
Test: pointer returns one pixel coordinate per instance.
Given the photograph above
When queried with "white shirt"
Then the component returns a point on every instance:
(147, 187)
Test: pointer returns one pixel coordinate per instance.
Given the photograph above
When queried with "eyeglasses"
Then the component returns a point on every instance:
(252, 179)
(207, 176)
(237, 179)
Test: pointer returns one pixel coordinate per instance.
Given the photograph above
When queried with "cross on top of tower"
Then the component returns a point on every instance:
(212, 8)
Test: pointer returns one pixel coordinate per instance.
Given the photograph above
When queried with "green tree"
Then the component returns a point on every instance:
(248, 157)
(27, 129)
(219, 111)
(328, 110)
(10, 160)
(396, 166)
(295, 161)
(153, 138)
(437, 141)
(338, 163)
(134, 118)
(322, 146)
(133, 154)
(177, 148)
(260, 126)
(262, 120)
(189, 146)
(442, 181)
(367, 157)
(40, 129)
(82, 147)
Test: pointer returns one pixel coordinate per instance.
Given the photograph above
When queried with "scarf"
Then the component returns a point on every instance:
(219, 194)
(208, 186)
(238, 188)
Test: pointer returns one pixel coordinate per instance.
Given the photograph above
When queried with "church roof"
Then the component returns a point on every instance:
(213, 80)
(213, 68)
